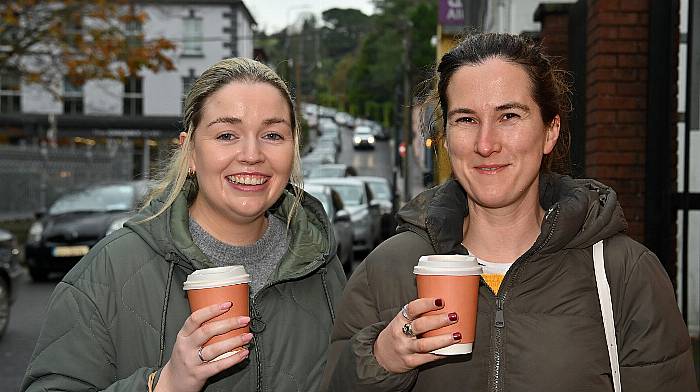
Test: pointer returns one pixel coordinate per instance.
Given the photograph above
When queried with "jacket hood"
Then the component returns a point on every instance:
(311, 240)
(579, 212)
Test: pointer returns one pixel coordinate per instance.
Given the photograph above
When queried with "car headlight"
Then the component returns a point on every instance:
(357, 140)
(35, 231)
(116, 225)
(370, 140)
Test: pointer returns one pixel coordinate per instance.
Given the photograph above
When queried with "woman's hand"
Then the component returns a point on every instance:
(188, 369)
(399, 351)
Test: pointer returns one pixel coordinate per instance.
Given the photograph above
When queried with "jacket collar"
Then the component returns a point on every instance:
(579, 213)
(311, 240)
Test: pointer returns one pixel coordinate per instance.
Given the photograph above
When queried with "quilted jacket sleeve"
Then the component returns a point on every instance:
(351, 363)
(653, 341)
(74, 352)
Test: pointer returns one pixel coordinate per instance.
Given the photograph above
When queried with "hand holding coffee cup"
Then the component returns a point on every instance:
(398, 353)
(218, 285)
(185, 371)
(454, 278)
(214, 335)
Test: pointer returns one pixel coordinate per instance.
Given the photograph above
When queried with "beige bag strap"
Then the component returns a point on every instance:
(607, 311)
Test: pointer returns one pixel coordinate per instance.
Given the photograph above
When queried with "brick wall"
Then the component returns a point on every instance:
(616, 94)
(554, 32)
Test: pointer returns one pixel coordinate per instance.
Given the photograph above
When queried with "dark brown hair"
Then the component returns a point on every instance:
(549, 87)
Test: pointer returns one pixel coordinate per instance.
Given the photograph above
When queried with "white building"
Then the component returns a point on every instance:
(204, 33)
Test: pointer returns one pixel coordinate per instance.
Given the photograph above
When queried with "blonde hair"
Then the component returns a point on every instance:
(237, 69)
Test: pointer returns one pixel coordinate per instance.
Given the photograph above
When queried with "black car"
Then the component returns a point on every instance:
(76, 222)
(9, 271)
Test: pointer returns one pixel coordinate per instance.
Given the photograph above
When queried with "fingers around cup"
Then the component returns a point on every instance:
(200, 316)
(426, 345)
(218, 327)
(424, 324)
(233, 345)
(423, 305)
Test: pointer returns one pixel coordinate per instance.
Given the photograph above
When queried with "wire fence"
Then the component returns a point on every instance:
(32, 177)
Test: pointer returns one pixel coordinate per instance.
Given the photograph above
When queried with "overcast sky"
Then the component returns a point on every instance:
(273, 15)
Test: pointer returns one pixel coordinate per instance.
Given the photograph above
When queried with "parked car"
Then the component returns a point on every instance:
(363, 136)
(332, 170)
(76, 222)
(339, 217)
(364, 211)
(330, 130)
(383, 195)
(9, 271)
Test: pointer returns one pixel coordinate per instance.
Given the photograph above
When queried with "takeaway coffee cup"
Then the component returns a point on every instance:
(455, 279)
(211, 286)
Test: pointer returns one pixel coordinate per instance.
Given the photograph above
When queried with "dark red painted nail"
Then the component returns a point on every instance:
(457, 336)
(452, 316)
(438, 302)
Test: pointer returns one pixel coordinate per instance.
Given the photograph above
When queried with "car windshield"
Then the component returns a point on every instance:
(323, 198)
(352, 195)
(107, 198)
(380, 190)
(363, 130)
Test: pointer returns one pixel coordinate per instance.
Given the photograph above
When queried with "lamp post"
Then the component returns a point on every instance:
(296, 61)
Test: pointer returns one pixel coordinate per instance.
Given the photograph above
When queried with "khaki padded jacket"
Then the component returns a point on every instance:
(114, 318)
(552, 336)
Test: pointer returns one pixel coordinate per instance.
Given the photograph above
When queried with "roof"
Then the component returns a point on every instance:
(372, 178)
(235, 3)
(334, 181)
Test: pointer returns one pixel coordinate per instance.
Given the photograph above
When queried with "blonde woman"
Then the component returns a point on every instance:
(119, 321)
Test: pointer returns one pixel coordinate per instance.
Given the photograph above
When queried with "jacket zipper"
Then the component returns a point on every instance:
(499, 319)
(257, 338)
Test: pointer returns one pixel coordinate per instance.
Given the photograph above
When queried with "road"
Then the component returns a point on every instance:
(28, 311)
(25, 323)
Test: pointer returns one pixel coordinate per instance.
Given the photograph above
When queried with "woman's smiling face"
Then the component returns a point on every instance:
(495, 133)
(243, 151)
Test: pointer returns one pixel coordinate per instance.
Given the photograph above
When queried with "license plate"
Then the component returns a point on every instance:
(70, 251)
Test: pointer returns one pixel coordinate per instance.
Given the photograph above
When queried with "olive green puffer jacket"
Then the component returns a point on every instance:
(544, 330)
(114, 318)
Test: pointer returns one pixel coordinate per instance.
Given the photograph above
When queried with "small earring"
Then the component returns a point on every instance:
(191, 172)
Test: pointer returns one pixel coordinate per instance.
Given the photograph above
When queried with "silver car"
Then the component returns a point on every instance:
(385, 198)
(339, 217)
(364, 212)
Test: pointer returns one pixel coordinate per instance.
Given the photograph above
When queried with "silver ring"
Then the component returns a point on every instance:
(404, 312)
(408, 330)
(199, 354)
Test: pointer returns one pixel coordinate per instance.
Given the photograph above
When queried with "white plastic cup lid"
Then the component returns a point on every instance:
(452, 265)
(216, 277)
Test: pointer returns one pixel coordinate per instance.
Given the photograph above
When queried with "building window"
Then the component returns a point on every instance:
(134, 33)
(133, 96)
(193, 37)
(10, 92)
(72, 98)
(187, 82)
(74, 27)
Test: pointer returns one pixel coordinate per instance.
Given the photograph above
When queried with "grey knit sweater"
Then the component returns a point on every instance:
(259, 259)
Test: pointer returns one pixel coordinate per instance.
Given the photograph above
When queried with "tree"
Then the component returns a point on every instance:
(44, 40)
(398, 25)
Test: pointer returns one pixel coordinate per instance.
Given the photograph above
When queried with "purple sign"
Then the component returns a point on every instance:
(451, 12)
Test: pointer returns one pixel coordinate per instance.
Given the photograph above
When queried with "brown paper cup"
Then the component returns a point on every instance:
(455, 279)
(215, 286)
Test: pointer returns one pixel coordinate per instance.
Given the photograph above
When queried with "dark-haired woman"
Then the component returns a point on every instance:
(539, 323)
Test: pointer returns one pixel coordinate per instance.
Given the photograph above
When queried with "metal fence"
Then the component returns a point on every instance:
(32, 177)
